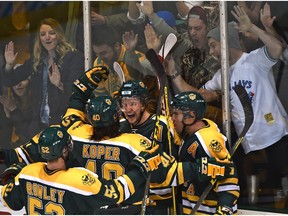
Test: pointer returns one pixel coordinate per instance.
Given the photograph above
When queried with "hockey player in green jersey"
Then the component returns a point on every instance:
(52, 188)
(202, 138)
(133, 100)
(98, 144)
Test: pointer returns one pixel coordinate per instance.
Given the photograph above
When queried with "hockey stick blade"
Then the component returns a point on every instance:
(119, 71)
(248, 112)
(249, 118)
(169, 43)
(152, 57)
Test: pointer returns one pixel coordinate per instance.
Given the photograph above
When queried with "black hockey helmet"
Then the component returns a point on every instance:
(102, 111)
(52, 141)
(190, 101)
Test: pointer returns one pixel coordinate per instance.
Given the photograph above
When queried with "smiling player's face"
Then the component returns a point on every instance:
(132, 109)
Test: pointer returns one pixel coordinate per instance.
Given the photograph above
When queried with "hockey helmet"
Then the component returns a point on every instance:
(190, 101)
(134, 88)
(52, 141)
(102, 111)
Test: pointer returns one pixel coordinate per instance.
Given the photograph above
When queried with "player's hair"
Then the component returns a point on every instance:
(110, 131)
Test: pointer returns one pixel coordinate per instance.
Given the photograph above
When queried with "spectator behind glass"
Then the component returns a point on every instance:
(140, 18)
(5, 123)
(53, 67)
(256, 69)
(105, 13)
(18, 108)
(108, 49)
(191, 54)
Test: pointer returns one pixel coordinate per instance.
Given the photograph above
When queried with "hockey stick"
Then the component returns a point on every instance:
(164, 51)
(169, 43)
(249, 118)
(153, 58)
(160, 75)
(119, 71)
(167, 114)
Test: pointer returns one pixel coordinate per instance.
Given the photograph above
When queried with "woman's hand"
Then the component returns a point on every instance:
(55, 76)
(8, 103)
(10, 55)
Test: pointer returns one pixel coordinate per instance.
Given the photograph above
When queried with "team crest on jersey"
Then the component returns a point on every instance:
(144, 143)
(88, 179)
(215, 146)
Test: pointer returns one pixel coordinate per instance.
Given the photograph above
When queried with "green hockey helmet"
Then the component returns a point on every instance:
(134, 88)
(102, 111)
(190, 101)
(52, 142)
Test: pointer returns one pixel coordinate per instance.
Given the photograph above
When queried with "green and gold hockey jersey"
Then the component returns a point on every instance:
(160, 195)
(72, 191)
(207, 142)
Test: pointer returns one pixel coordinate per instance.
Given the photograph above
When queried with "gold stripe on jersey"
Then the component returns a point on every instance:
(227, 181)
(194, 199)
(180, 174)
(130, 184)
(176, 168)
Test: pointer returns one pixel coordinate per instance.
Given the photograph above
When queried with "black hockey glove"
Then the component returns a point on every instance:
(11, 172)
(90, 80)
(148, 160)
(212, 168)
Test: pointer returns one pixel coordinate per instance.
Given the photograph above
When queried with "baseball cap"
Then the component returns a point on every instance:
(198, 12)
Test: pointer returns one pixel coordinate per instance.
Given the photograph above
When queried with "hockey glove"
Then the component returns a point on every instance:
(11, 172)
(148, 160)
(208, 168)
(223, 210)
(90, 80)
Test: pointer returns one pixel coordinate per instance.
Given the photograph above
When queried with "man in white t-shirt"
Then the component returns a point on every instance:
(254, 72)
